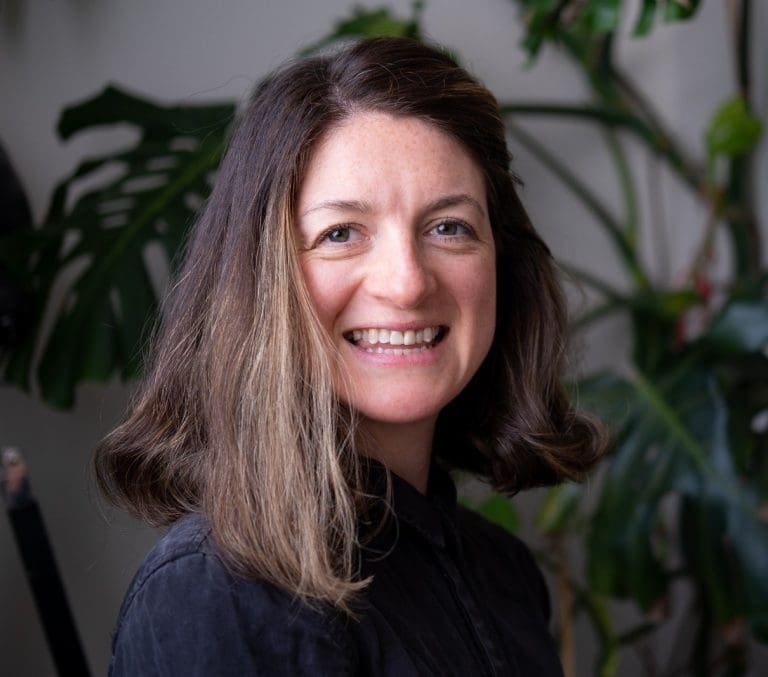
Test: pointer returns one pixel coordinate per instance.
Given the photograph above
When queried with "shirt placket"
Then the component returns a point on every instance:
(479, 628)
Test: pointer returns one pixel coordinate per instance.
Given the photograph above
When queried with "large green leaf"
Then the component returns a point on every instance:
(621, 549)
(742, 327)
(702, 539)
(97, 247)
(673, 441)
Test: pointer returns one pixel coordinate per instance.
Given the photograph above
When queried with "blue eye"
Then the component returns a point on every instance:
(451, 229)
(338, 235)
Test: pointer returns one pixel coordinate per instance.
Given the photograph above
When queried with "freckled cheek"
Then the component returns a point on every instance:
(329, 291)
(476, 298)
(470, 278)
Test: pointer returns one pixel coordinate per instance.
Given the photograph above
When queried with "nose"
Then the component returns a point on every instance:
(399, 272)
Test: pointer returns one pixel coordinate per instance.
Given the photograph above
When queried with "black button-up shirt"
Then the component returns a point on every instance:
(452, 594)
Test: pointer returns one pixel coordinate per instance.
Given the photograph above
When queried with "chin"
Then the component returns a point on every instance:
(401, 414)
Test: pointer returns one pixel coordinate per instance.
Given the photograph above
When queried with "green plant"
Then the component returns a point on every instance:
(683, 493)
(97, 247)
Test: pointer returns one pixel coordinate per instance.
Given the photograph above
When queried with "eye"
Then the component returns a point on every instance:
(452, 229)
(337, 235)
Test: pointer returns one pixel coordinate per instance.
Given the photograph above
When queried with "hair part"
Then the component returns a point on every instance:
(237, 416)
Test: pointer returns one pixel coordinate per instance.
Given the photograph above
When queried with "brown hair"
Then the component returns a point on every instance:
(236, 416)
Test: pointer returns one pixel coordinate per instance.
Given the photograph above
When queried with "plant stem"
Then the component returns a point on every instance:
(601, 114)
(703, 253)
(703, 643)
(745, 235)
(662, 409)
(590, 200)
(592, 281)
(686, 167)
(636, 633)
(657, 217)
(636, 98)
(657, 140)
(627, 185)
(596, 313)
(744, 231)
(742, 51)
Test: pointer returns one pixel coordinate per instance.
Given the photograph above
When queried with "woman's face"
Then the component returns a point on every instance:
(398, 256)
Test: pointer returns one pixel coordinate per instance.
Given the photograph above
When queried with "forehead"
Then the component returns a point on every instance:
(390, 160)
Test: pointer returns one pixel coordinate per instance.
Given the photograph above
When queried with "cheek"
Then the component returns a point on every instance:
(485, 303)
(328, 290)
(475, 291)
(479, 303)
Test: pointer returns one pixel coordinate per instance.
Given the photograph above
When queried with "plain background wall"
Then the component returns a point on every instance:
(57, 52)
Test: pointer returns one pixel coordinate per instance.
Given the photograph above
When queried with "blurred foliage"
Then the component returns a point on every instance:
(371, 24)
(94, 244)
(682, 494)
(584, 20)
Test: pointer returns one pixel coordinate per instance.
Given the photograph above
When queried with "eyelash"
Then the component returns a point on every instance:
(324, 235)
(469, 232)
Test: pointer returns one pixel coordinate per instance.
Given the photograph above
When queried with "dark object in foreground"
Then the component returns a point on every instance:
(40, 566)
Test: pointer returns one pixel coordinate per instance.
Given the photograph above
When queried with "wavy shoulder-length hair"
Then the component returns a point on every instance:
(237, 417)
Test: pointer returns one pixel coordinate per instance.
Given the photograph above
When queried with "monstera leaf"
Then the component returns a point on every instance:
(673, 450)
(94, 244)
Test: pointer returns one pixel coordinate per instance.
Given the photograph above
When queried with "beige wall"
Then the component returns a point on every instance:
(55, 53)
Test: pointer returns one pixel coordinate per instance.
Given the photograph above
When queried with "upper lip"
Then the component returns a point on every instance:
(397, 326)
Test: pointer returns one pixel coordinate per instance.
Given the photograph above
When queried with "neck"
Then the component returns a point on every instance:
(404, 448)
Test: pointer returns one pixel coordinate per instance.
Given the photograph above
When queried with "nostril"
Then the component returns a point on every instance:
(404, 285)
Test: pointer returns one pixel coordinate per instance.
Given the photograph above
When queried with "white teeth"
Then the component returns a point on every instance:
(409, 337)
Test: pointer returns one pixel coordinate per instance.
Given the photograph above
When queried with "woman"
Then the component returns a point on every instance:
(364, 305)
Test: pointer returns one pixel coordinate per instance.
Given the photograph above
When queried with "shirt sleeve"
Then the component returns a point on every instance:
(191, 617)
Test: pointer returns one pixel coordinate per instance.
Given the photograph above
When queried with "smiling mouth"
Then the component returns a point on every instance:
(395, 342)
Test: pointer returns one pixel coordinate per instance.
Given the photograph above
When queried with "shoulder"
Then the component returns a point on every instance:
(497, 547)
(186, 613)
(184, 540)
(475, 527)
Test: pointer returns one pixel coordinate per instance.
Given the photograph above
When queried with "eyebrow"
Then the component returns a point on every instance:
(362, 207)
(455, 201)
(341, 206)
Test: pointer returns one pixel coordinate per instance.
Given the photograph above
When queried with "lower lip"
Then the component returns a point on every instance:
(420, 358)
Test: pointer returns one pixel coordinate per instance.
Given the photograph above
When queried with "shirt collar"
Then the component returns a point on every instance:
(432, 515)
